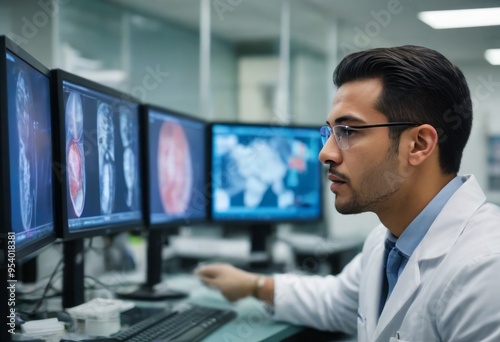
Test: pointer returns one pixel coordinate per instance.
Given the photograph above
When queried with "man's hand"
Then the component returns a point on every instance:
(233, 283)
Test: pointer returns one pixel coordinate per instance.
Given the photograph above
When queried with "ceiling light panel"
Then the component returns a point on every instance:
(492, 56)
(461, 18)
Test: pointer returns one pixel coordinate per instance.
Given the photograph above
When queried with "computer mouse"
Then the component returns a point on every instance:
(19, 320)
(63, 316)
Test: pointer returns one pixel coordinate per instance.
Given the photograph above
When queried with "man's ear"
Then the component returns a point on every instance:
(423, 144)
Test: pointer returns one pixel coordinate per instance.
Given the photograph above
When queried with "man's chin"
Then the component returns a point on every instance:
(347, 208)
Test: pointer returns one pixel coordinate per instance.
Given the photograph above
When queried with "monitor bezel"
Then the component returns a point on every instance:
(63, 231)
(171, 225)
(255, 221)
(32, 249)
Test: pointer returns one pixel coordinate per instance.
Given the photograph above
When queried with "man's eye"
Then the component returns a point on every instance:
(347, 131)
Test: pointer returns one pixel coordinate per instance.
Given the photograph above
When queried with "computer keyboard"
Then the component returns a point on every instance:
(136, 314)
(183, 323)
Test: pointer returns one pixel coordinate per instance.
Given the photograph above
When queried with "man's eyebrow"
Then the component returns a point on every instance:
(344, 118)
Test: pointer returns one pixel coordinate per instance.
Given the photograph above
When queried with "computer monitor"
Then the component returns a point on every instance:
(27, 208)
(176, 181)
(26, 131)
(262, 175)
(175, 190)
(98, 168)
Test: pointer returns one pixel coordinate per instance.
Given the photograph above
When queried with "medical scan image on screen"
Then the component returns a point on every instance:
(30, 148)
(265, 173)
(176, 168)
(129, 142)
(75, 156)
(106, 149)
(102, 137)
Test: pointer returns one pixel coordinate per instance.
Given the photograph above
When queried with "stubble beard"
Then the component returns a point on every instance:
(375, 189)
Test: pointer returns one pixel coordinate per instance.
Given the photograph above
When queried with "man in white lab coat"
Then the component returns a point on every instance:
(393, 142)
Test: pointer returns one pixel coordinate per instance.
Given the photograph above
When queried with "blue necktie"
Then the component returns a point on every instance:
(393, 260)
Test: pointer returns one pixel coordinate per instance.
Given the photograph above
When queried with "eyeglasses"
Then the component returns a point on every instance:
(343, 132)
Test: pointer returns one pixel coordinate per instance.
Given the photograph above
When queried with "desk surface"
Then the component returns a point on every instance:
(253, 322)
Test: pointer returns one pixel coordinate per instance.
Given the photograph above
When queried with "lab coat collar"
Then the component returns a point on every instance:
(446, 229)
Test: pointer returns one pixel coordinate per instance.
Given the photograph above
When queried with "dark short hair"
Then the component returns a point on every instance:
(419, 85)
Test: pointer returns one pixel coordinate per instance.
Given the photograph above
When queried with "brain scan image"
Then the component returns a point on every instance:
(106, 151)
(74, 152)
(174, 168)
(24, 109)
(129, 158)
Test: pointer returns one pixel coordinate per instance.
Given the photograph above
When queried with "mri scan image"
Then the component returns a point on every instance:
(129, 158)
(74, 152)
(27, 188)
(106, 151)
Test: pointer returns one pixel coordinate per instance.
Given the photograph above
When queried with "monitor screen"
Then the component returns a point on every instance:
(27, 152)
(101, 159)
(176, 179)
(265, 173)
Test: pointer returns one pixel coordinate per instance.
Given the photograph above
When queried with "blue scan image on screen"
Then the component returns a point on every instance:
(176, 169)
(30, 149)
(102, 158)
(264, 173)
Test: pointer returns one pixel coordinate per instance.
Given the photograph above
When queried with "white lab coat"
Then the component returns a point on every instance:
(448, 291)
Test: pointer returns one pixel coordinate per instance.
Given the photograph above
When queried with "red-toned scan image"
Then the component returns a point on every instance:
(74, 149)
(175, 174)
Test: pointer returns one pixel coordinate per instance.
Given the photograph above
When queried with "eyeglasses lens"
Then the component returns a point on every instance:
(325, 133)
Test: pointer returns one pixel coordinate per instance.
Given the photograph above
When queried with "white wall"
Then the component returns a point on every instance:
(484, 83)
(309, 95)
(173, 51)
(258, 82)
(30, 26)
(224, 79)
(4, 17)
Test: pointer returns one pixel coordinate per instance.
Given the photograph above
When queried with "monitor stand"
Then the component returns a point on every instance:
(28, 271)
(261, 254)
(73, 274)
(148, 291)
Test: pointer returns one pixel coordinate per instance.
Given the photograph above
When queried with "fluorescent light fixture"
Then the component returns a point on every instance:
(492, 56)
(461, 18)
